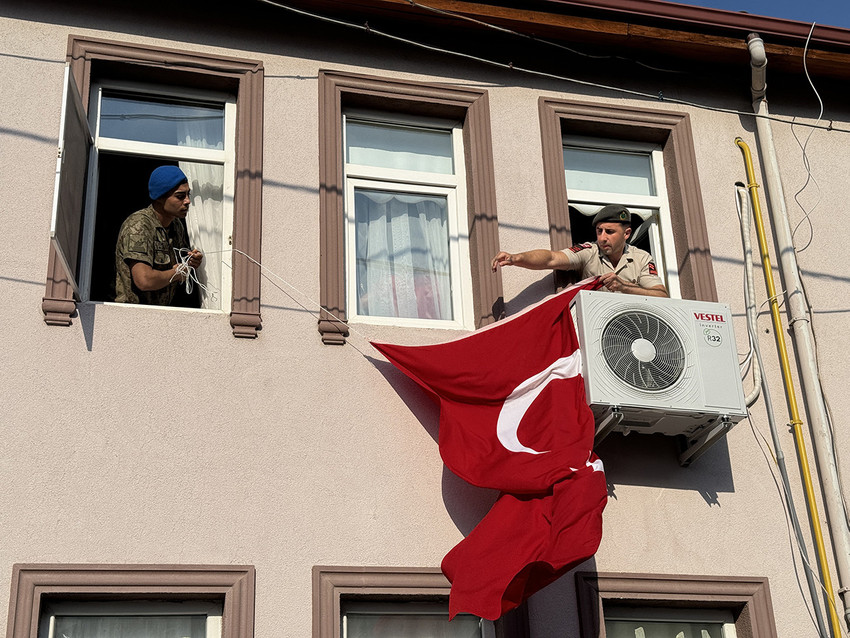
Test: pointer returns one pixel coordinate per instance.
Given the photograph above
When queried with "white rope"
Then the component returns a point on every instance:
(268, 272)
(190, 275)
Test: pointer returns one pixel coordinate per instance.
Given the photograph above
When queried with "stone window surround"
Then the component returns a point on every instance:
(747, 598)
(338, 91)
(672, 131)
(331, 584)
(242, 77)
(232, 585)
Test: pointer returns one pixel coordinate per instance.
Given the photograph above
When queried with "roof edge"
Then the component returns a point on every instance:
(682, 14)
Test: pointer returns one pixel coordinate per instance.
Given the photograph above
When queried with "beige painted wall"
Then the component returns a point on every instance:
(153, 436)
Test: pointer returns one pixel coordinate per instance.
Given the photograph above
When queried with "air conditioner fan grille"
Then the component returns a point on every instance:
(643, 350)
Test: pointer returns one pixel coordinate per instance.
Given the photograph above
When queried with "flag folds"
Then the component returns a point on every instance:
(513, 417)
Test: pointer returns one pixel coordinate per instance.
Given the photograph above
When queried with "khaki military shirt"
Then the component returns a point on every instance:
(143, 238)
(635, 266)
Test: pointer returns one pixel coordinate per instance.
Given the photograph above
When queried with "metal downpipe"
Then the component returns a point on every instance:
(804, 340)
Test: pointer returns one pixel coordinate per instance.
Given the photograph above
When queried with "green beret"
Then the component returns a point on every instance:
(613, 213)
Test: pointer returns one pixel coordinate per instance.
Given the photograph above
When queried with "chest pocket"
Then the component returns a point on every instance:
(161, 254)
(626, 271)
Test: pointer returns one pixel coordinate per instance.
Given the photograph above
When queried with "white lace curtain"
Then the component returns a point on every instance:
(206, 214)
(402, 252)
(634, 629)
(130, 627)
(204, 224)
(411, 626)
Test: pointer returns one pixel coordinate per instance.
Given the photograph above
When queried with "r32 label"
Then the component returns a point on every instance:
(712, 337)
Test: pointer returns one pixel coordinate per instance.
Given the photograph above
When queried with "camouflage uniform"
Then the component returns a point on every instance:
(635, 266)
(143, 238)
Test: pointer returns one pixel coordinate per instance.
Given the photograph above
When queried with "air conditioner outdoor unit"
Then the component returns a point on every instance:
(657, 365)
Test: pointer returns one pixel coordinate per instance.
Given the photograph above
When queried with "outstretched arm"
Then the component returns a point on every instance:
(539, 259)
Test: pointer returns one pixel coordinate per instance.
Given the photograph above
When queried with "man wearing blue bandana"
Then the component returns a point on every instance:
(145, 254)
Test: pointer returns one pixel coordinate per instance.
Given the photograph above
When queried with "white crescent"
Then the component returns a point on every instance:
(520, 400)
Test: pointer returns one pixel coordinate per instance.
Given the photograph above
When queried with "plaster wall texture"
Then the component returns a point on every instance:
(153, 436)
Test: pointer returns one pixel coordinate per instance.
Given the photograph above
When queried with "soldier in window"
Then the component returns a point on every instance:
(619, 266)
(146, 254)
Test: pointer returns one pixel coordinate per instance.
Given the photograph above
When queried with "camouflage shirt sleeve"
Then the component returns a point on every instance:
(142, 241)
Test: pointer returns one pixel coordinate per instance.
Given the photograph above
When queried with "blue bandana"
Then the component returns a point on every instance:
(163, 179)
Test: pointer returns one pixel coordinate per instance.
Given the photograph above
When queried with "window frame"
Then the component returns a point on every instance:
(641, 614)
(89, 59)
(51, 609)
(331, 584)
(452, 186)
(748, 598)
(660, 231)
(119, 146)
(354, 606)
(669, 129)
(33, 585)
(339, 92)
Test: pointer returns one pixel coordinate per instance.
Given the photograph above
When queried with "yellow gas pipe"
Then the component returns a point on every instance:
(796, 423)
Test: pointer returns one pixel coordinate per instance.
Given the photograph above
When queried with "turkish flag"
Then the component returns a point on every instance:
(526, 542)
(513, 416)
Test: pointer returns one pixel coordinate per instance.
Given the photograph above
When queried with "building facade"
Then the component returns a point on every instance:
(253, 454)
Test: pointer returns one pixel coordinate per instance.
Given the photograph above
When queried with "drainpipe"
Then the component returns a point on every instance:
(804, 344)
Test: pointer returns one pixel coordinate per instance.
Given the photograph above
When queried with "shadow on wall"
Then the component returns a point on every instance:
(651, 460)
(637, 459)
(552, 611)
(465, 503)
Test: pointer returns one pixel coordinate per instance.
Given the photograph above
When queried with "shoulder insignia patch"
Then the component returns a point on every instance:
(579, 247)
(652, 269)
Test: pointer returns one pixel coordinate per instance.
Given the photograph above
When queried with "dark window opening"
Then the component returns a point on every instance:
(122, 190)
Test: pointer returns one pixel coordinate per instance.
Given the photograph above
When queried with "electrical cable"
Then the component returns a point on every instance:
(779, 457)
(526, 36)
(809, 310)
(806, 163)
(749, 294)
(553, 76)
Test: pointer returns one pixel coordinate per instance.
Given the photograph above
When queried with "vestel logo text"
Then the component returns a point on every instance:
(702, 316)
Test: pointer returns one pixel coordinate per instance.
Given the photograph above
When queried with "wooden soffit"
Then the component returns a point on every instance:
(666, 28)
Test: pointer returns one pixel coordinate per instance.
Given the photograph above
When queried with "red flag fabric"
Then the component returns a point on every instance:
(513, 416)
(526, 542)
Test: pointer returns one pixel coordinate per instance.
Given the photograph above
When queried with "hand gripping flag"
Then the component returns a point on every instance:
(513, 417)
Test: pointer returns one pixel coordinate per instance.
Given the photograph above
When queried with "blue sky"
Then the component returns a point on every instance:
(827, 12)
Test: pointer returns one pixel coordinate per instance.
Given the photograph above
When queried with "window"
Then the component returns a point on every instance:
(144, 601)
(144, 107)
(356, 602)
(408, 619)
(389, 148)
(132, 619)
(138, 127)
(638, 149)
(667, 606)
(407, 256)
(666, 622)
(598, 171)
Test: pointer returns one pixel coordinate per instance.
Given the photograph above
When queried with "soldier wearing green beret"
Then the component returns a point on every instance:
(619, 266)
